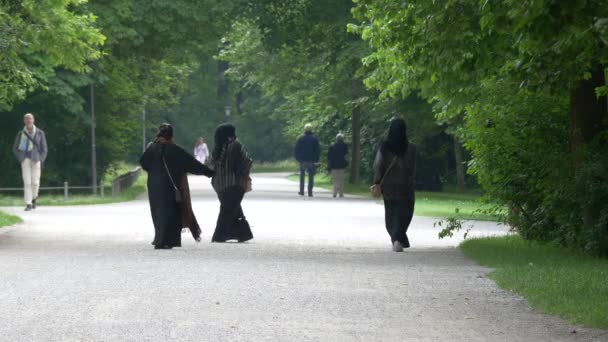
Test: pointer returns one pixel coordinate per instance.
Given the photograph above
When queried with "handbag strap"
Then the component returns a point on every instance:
(30, 138)
(393, 162)
(167, 169)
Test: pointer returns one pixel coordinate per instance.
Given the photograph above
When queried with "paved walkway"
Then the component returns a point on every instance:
(318, 270)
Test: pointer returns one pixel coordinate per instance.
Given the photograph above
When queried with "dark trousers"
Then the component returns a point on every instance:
(309, 168)
(231, 222)
(398, 215)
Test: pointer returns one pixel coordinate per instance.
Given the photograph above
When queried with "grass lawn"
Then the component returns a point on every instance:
(74, 198)
(281, 166)
(445, 204)
(8, 220)
(554, 280)
(432, 204)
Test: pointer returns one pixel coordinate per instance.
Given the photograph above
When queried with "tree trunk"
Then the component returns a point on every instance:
(460, 172)
(222, 89)
(588, 111)
(356, 145)
(588, 117)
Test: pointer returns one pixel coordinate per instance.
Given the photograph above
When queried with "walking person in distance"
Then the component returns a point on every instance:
(201, 151)
(31, 150)
(307, 153)
(394, 173)
(337, 163)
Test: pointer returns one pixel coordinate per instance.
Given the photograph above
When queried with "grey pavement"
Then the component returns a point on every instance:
(318, 269)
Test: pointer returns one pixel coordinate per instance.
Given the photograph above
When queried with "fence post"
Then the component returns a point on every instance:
(65, 190)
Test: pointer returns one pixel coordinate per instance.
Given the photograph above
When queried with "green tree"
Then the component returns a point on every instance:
(36, 37)
(508, 64)
(150, 52)
(308, 60)
(314, 61)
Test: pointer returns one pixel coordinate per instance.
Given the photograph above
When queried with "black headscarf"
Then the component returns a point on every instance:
(396, 141)
(165, 131)
(224, 134)
(165, 134)
(165, 137)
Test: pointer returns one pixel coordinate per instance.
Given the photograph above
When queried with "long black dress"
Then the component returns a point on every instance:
(397, 191)
(232, 171)
(166, 213)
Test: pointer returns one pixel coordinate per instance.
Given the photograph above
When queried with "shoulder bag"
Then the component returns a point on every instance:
(178, 194)
(376, 189)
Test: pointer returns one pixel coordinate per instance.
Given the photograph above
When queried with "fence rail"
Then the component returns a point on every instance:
(119, 184)
(122, 182)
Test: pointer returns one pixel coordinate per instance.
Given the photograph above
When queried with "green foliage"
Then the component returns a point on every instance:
(505, 75)
(288, 165)
(261, 130)
(450, 225)
(36, 37)
(554, 280)
(198, 110)
(533, 43)
(306, 66)
(152, 48)
(176, 30)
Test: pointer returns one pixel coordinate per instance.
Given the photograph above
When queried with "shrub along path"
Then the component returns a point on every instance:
(319, 269)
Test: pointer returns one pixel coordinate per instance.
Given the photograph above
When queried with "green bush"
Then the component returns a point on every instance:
(523, 158)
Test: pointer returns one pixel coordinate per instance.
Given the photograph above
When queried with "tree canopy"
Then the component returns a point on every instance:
(36, 37)
(528, 78)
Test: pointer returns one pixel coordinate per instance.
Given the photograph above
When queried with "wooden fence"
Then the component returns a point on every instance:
(119, 184)
(125, 181)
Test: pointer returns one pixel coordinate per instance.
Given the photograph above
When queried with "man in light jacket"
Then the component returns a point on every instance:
(31, 150)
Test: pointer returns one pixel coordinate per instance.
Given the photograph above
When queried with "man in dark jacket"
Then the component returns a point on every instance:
(336, 163)
(308, 152)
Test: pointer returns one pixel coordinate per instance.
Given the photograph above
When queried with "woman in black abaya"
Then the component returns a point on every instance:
(168, 165)
(232, 166)
(395, 171)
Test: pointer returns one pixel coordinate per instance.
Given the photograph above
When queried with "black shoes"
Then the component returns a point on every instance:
(32, 206)
(163, 247)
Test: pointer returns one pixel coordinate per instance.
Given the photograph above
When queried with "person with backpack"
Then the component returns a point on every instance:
(31, 150)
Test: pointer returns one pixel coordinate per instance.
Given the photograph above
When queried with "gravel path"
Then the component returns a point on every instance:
(318, 270)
